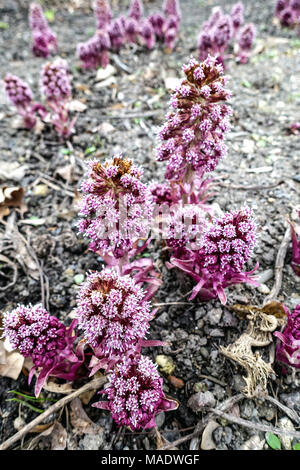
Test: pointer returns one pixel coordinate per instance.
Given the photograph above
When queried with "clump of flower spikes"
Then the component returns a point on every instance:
(135, 393)
(288, 12)
(113, 315)
(288, 350)
(43, 338)
(116, 205)
(44, 40)
(192, 138)
(217, 33)
(21, 97)
(227, 244)
(56, 87)
(94, 52)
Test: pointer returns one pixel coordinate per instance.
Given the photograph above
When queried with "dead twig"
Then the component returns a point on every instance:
(250, 188)
(279, 266)
(226, 405)
(96, 383)
(288, 411)
(256, 426)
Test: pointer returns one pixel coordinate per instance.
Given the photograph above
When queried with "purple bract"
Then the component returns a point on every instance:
(288, 350)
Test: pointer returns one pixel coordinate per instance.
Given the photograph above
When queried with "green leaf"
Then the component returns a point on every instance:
(273, 441)
(25, 403)
(90, 150)
(246, 84)
(78, 279)
(31, 397)
(66, 151)
(4, 25)
(50, 15)
(296, 446)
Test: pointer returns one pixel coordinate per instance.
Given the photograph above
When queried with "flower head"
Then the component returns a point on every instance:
(147, 33)
(237, 16)
(172, 8)
(44, 40)
(102, 13)
(246, 37)
(288, 350)
(132, 30)
(21, 96)
(192, 137)
(135, 394)
(35, 334)
(136, 10)
(112, 313)
(157, 20)
(116, 34)
(116, 205)
(56, 81)
(94, 52)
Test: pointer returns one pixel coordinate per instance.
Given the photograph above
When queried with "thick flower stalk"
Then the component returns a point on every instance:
(116, 207)
(135, 394)
(94, 52)
(21, 97)
(136, 10)
(43, 338)
(192, 139)
(227, 245)
(56, 88)
(44, 40)
(288, 349)
(114, 316)
(246, 38)
(102, 13)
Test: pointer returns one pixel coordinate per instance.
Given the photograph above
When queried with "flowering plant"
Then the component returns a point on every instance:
(21, 96)
(44, 339)
(296, 247)
(56, 87)
(135, 394)
(288, 349)
(44, 40)
(288, 12)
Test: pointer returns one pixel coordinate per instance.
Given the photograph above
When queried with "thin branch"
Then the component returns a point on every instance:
(94, 384)
(288, 411)
(279, 266)
(250, 188)
(255, 426)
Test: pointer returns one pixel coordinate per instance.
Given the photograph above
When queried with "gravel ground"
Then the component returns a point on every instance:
(261, 152)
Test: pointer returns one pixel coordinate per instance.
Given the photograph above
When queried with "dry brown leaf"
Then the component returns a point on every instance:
(272, 308)
(53, 387)
(24, 258)
(11, 362)
(66, 172)
(83, 87)
(80, 421)
(11, 197)
(207, 442)
(77, 106)
(57, 435)
(10, 263)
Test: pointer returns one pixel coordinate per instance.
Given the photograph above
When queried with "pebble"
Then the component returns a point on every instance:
(263, 289)
(200, 400)
(286, 424)
(91, 442)
(214, 316)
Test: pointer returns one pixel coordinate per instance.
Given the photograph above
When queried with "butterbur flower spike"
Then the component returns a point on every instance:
(102, 13)
(44, 40)
(227, 245)
(135, 394)
(116, 34)
(21, 97)
(237, 16)
(295, 228)
(147, 34)
(94, 52)
(136, 10)
(288, 349)
(56, 88)
(192, 139)
(42, 337)
(116, 207)
(114, 316)
(172, 8)
(246, 38)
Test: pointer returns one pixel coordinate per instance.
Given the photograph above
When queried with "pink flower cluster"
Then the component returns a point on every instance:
(220, 29)
(113, 315)
(288, 350)
(193, 135)
(56, 87)
(44, 40)
(21, 97)
(45, 340)
(135, 394)
(112, 34)
(288, 12)
(226, 245)
(296, 247)
(116, 206)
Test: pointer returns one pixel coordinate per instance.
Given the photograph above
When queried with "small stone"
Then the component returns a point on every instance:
(200, 400)
(41, 190)
(19, 423)
(165, 364)
(103, 74)
(214, 316)
(177, 383)
(287, 425)
(263, 289)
